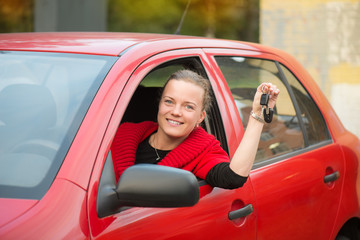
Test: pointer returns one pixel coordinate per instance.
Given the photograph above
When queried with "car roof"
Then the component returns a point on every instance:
(111, 43)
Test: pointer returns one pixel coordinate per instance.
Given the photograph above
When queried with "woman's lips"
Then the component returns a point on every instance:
(174, 122)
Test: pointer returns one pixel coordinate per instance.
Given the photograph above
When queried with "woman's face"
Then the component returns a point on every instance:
(180, 109)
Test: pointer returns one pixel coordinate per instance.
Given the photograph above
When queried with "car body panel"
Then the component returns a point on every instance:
(113, 44)
(62, 211)
(350, 197)
(11, 208)
(302, 197)
(288, 194)
(206, 220)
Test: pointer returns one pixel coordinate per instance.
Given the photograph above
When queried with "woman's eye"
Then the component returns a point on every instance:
(189, 107)
(168, 101)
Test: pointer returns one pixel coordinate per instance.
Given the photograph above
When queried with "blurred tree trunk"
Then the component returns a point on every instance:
(252, 15)
(210, 19)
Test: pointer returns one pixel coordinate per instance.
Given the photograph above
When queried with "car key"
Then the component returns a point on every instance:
(264, 99)
(268, 115)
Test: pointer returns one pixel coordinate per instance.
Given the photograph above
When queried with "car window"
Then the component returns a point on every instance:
(244, 75)
(43, 99)
(315, 127)
(144, 103)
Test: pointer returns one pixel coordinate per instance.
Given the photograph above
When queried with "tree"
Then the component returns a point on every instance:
(232, 19)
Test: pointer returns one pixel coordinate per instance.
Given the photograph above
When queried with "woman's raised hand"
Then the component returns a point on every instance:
(265, 88)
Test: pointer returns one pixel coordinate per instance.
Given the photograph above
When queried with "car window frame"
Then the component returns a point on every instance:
(218, 52)
(214, 122)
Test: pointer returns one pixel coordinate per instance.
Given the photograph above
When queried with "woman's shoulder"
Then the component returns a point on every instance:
(136, 129)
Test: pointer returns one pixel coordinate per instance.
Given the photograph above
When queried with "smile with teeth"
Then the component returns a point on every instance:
(174, 122)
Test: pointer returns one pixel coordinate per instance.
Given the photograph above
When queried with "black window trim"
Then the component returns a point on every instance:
(297, 108)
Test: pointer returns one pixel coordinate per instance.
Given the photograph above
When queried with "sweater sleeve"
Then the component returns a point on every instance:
(207, 160)
(126, 140)
(222, 176)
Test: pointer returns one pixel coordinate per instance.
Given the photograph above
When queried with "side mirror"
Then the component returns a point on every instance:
(146, 185)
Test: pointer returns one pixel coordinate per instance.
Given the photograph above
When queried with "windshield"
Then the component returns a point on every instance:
(43, 100)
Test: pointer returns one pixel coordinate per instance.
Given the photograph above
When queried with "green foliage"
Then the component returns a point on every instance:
(231, 19)
(142, 15)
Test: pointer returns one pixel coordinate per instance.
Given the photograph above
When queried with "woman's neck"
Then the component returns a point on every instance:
(164, 142)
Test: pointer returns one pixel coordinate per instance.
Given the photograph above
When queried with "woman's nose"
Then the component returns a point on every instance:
(176, 111)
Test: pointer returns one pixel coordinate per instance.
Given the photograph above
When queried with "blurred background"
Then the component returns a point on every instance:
(323, 35)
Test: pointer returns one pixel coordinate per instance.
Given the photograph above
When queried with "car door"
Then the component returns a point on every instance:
(297, 175)
(220, 213)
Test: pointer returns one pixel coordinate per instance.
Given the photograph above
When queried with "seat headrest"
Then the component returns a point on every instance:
(27, 103)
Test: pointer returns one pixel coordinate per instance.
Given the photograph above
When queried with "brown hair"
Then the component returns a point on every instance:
(193, 77)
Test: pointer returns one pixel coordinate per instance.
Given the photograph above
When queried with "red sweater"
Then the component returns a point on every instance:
(198, 153)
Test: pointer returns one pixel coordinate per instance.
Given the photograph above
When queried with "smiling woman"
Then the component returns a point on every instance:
(177, 140)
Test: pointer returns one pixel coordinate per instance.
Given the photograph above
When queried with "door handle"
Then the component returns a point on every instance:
(242, 212)
(331, 177)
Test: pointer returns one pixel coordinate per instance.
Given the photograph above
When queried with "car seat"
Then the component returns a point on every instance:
(143, 105)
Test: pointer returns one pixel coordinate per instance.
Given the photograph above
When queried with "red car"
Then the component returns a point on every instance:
(63, 96)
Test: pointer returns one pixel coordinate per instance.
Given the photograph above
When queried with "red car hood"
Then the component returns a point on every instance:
(13, 208)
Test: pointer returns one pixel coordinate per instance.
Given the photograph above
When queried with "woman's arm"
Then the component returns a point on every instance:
(244, 156)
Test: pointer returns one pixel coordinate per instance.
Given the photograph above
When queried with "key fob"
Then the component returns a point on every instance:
(264, 99)
(268, 116)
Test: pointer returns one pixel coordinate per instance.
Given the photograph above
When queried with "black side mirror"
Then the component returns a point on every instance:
(146, 185)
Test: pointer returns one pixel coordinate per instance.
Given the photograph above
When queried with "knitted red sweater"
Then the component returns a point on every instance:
(198, 153)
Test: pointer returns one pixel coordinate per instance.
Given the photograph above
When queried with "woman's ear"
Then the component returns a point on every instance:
(202, 117)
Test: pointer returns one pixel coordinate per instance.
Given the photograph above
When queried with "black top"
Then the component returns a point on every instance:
(220, 175)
